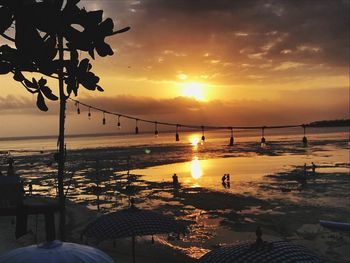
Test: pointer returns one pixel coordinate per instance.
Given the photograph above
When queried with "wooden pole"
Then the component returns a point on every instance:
(61, 151)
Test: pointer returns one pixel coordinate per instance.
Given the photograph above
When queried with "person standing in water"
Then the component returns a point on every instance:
(228, 184)
(30, 185)
(10, 168)
(223, 179)
(313, 168)
(175, 181)
(305, 169)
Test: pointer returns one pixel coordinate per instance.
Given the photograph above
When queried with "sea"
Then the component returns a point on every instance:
(197, 163)
(267, 182)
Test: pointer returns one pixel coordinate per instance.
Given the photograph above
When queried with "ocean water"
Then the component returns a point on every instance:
(197, 164)
(49, 143)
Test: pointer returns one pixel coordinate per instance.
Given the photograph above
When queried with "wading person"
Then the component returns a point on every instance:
(313, 168)
(175, 181)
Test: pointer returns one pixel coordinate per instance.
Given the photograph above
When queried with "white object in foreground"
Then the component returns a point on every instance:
(335, 225)
(56, 252)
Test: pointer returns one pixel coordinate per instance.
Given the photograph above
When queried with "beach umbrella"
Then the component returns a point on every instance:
(131, 222)
(260, 252)
(274, 252)
(56, 252)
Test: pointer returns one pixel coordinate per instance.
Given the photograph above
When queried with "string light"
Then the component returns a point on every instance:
(304, 138)
(119, 126)
(156, 129)
(104, 118)
(203, 137)
(177, 137)
(231, 138)
(89, 113)
(78, 109)
(136, 127)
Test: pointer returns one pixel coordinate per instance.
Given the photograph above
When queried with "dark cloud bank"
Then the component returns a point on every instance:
(294, 107)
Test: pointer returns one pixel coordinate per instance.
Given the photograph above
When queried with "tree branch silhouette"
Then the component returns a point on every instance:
(44, 30)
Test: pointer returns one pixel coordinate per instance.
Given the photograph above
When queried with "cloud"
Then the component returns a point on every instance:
(293, 107)
(16, 104)
(268, 31)
(289, 104)
(290, 107)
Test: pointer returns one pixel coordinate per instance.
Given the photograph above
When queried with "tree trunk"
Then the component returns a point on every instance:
(61, 153)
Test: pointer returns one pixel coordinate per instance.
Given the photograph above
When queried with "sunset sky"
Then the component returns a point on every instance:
(229, 62)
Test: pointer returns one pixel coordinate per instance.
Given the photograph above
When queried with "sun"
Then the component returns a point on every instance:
(194, 140)
(193, 90)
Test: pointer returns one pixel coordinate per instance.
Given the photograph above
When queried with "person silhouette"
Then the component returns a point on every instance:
(223, 179)
(313, 168)
(305, 169)
(175, 181)
(30, 188)
(10, 168)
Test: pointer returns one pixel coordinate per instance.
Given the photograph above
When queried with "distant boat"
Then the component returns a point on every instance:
(335, 225)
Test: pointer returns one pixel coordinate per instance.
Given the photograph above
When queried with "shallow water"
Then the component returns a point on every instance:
(208, 173)
(264, 188)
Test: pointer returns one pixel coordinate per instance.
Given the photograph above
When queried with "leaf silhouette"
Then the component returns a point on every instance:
(99, 88)
(5, 67)
(125, 29)
(6, 19)
(104, 49)
(40, 102)
(48, 93)
(18, 76)
(42, 82)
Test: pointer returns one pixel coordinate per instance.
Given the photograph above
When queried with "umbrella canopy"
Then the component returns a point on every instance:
(274, 252)
(56, 252)
(130, 222)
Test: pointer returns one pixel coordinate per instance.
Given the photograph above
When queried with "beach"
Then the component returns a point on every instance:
(267, 189)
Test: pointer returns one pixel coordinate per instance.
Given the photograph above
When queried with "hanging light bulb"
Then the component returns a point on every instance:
(304, 138)
(119, 126)
(177, 137)
(263, 140)
(156, 129)
(136, 127)
(231, 138)
(89, 113)
(203, 137)
(78, 109)
(104, 119)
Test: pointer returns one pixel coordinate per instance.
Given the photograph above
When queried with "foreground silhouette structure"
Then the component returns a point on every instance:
(46, 38)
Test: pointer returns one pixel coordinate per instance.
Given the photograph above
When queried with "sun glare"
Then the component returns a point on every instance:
(182, 76)
(194, 140)
(193, 90)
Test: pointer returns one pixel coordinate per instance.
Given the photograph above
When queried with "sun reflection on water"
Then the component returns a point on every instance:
(196, 170)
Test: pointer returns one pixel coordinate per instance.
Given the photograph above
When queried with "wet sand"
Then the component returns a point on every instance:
(286, 207)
